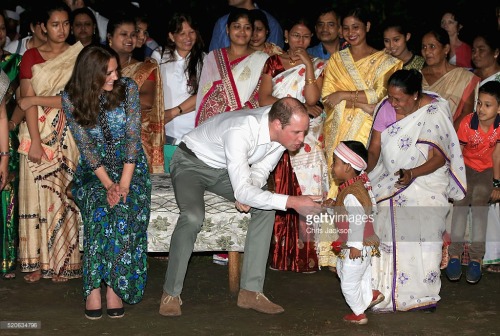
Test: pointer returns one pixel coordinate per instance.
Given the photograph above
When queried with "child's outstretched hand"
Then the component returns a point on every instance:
(354, 253)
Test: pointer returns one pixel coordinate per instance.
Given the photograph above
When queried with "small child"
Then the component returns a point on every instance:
(355, 205)
(479, 135)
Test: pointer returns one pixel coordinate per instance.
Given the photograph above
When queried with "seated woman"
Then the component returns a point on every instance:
(415, 165)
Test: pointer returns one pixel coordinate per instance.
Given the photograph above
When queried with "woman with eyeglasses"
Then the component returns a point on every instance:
(297, 74)
(355, 81)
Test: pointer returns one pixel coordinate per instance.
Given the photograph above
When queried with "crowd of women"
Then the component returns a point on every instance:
(83, 125)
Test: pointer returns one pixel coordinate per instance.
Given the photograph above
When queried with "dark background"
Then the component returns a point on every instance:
(419, 14)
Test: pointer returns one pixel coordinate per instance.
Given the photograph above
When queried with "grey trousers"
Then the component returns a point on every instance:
(479, 187)
(190, 178)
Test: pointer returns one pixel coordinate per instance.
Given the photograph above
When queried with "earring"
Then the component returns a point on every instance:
(415, 98)
(110, 43)
(286, 40)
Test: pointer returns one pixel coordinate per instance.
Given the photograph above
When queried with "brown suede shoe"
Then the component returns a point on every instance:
(257, 301)
(170, 305)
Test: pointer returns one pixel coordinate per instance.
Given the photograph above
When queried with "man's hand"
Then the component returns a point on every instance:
(305, 205)
(242, 207)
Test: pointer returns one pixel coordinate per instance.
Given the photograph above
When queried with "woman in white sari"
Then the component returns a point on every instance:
(229, 79)
(303, 172)
(413, 138)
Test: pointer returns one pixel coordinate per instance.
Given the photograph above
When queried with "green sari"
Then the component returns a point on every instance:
(8, 196)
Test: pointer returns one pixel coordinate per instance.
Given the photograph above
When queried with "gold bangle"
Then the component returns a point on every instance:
(13, 123)
(411, 174)
(310, 81)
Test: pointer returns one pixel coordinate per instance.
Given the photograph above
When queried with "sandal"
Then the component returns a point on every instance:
(9, 276)
(33, 277)
(493, 269)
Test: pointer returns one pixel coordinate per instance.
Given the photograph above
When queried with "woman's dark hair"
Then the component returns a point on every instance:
(491, 38)
(195, 57)
(85, 11)
(440, 34)
(409, 81)
(492, 88)
(236, 13)
(358, 148)
(293, 21)
(359, 13)
(50, 6)
(117, 20)
(258, 15)
(85, 85)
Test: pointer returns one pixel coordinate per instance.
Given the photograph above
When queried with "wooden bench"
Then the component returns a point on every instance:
(224, 228)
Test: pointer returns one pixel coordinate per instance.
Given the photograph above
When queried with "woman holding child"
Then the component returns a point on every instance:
(415, 166)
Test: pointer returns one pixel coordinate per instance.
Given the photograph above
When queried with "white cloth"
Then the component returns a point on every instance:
(175, 91)
(355, 279)
(411, 220)
(102, 25)
(309, 162)
(356, 228)
(240, 142)
(12, 46)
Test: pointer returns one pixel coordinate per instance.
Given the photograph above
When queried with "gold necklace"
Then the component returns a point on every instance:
(290, 60)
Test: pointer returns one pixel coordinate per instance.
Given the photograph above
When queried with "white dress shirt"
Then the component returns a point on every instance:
(239, 141)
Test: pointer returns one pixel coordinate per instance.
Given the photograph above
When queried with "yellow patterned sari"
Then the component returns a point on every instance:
(152, 133)
(342, 73)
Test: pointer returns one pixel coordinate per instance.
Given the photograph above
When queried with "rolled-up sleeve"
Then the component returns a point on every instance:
(247, 181)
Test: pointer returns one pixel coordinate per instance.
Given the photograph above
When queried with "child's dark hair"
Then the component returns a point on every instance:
(492, 88)
(358, 148)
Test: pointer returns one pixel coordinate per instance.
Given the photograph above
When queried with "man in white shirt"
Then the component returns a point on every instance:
(232, 155)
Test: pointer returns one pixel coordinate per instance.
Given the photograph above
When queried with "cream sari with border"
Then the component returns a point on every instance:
(48, 219)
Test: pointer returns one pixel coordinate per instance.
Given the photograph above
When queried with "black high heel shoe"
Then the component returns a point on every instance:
(93, 314)
(116, 312)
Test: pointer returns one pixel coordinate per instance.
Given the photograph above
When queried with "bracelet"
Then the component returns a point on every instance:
(180, 109)
(411, 174)
(310, 81)
(496, 183)
(13, 123)
(4, 153)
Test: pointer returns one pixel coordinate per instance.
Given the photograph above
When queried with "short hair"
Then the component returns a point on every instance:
(492, 88)
(284, 108)
(409, 81)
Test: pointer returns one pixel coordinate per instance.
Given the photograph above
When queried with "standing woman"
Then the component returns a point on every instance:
(230, 77)
(180, 66)
(304, 172)
(485, 56)
(261, 33)
(460, 52)
(84, 27)
(453, 83)
(122, 38)
(396, 39)
(48, 218)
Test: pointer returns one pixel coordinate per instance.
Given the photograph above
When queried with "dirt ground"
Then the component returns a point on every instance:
(313, 306)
